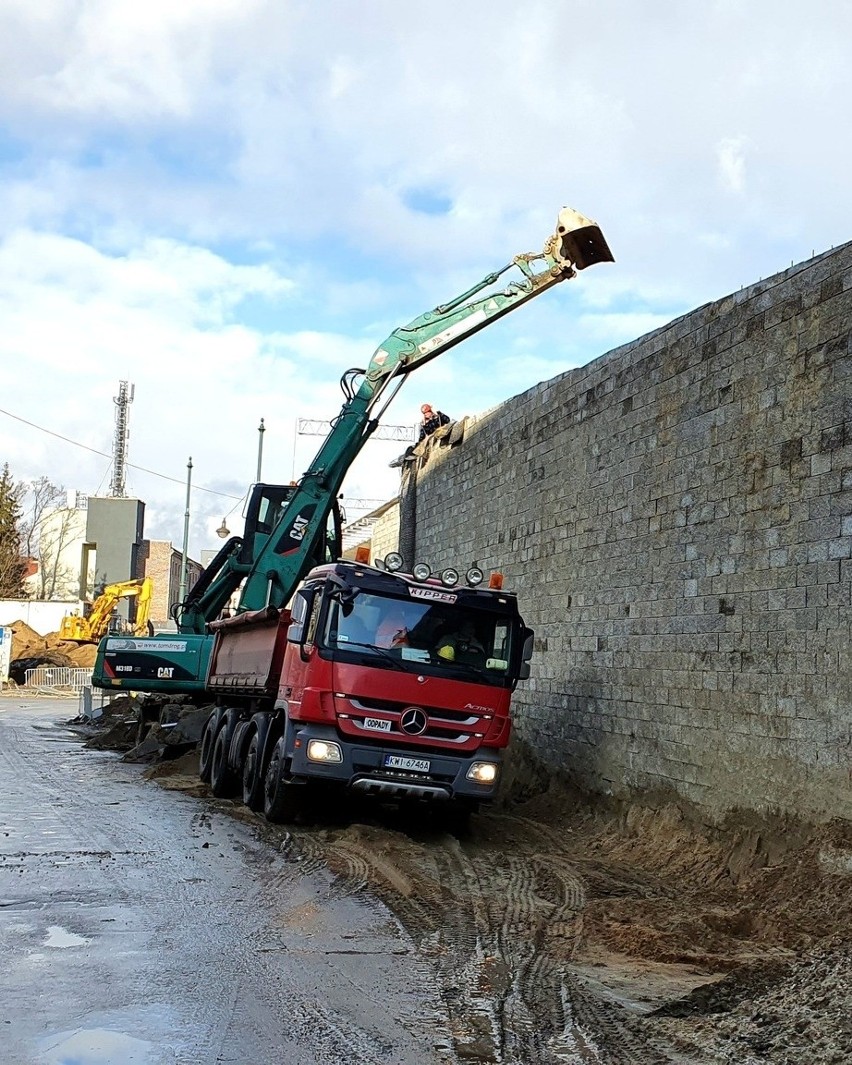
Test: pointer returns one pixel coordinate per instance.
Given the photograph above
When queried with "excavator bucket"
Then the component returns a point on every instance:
(582, 242)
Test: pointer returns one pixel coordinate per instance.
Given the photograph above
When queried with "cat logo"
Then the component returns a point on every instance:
(165, 672)
(299, 528)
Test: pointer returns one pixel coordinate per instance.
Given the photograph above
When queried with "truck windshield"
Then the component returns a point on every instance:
(445, 637)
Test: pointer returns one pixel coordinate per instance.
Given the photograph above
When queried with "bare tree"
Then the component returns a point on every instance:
(46, 528)
(37, 498)
(59, 576)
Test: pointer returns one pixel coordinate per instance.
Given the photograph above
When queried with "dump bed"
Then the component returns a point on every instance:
(248, 651)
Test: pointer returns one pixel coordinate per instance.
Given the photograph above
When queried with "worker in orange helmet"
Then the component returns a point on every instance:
(431, 420)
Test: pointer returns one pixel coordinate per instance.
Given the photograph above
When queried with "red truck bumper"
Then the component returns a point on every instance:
(391, 772)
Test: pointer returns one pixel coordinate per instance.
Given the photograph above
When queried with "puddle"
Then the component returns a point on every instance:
(96, 1046)
(57, 936)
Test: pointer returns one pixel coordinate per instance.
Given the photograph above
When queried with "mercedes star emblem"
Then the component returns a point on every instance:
(413, 721)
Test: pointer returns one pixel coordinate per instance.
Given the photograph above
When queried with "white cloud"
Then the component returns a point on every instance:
(218, 200)
(76, 321)
(731, 156)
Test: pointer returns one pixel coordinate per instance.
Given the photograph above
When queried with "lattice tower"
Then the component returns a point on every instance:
(122, 402)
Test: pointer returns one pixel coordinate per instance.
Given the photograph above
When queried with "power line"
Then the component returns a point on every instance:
(104, 454)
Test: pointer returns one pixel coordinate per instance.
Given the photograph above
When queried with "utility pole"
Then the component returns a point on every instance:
(122, 402)
(261, 429)
(182, 589)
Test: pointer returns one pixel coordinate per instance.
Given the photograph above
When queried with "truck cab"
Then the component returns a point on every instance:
(399, 688)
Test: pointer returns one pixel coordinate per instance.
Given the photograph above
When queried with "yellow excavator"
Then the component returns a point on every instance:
(99, 620)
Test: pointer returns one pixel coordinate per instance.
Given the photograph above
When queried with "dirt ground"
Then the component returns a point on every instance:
(567, 933)
(31, 650)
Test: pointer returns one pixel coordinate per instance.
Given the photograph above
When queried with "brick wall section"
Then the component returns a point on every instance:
(159, 560)
(676, 518)
(385, 533)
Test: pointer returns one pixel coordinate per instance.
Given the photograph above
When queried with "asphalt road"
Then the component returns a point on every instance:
(140, 927)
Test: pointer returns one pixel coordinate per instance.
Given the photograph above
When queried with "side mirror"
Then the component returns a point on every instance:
(526, 654)
(303, 602)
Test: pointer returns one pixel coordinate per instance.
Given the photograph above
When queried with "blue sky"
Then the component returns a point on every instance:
(230, 202)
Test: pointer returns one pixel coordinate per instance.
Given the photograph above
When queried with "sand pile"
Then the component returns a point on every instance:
(34, 649)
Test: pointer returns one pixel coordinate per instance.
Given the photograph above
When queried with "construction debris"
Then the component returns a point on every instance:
(31, 650)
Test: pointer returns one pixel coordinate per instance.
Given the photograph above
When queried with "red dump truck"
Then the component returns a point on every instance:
(384, 683)
(344, 674)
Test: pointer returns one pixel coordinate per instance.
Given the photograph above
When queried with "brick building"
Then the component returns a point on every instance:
(161, 561)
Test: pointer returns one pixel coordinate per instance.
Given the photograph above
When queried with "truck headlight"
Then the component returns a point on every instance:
(324, 751)
(483, 772)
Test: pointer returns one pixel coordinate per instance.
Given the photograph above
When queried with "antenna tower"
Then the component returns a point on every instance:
(119, 442)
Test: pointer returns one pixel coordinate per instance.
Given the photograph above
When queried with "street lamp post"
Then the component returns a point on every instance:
(261, 429)
(183, 561)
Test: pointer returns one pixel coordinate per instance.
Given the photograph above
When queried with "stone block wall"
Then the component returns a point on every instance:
(676, 518)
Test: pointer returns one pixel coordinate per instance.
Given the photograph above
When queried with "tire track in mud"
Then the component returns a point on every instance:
(499, 914)
(587, 1028)
(302, 853)
(471, 912)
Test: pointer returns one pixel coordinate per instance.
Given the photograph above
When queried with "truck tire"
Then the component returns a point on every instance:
(208, 739)
(282, 797)
(253, 777)
(222, 780)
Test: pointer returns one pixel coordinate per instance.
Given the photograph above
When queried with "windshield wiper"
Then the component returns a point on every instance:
(383, 653)
(471, 667)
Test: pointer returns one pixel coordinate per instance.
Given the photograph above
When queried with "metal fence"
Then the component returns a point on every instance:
(54, 678)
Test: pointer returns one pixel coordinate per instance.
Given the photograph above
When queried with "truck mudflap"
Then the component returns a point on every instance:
(391, 772)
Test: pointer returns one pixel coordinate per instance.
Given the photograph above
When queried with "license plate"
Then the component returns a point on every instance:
(378, 724)
(415, 765)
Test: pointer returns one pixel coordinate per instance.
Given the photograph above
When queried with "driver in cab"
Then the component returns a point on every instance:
(462, 646)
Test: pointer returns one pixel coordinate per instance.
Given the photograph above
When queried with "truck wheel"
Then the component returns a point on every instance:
(208, 739)
(253, 781)
(282, 798)
(222, 781)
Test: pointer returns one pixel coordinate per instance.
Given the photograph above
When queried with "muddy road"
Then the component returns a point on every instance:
(138, 926)
(560, 938)
(546, 933)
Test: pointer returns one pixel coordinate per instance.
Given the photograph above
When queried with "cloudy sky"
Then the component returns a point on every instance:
(230, 202)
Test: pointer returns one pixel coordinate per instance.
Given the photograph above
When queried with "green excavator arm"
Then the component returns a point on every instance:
(271, 566)
(282, 563)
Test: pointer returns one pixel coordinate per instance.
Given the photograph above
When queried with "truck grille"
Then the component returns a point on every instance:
(443, 727)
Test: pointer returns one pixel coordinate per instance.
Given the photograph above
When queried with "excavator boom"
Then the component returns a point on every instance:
(272, 569)
(576, 243)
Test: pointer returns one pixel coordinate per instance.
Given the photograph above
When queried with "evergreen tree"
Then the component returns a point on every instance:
(12, 564)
